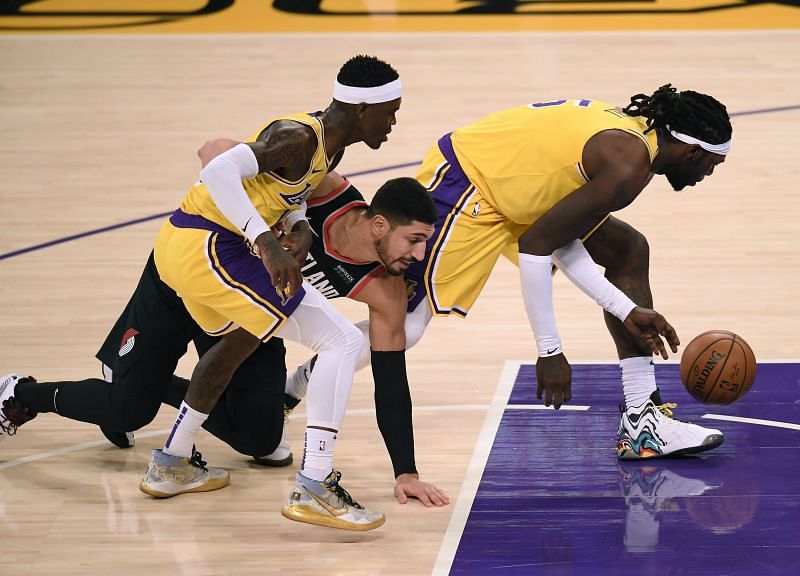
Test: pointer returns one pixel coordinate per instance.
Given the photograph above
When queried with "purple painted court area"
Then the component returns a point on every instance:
(554, 499)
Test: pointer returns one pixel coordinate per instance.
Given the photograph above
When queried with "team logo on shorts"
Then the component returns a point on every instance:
(411, 288)
(128, 340)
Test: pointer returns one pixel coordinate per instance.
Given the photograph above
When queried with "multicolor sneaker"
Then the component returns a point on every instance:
(172, 475)
(13, 413)
(649, 431)
(282, 455)
(326, 503)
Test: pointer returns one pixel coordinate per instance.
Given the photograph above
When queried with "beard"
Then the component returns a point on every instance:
(677, 181)
(383, 256)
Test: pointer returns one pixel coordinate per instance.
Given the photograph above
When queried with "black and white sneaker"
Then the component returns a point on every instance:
(13, 413)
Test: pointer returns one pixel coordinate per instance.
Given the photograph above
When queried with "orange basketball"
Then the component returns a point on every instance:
(718, 367)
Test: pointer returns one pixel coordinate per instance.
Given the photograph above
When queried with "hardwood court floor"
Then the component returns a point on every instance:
(100, 131)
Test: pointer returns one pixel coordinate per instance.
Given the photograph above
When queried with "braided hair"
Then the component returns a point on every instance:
(688, 112)
(366, 72)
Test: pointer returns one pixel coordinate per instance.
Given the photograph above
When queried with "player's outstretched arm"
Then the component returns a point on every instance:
(387, 299)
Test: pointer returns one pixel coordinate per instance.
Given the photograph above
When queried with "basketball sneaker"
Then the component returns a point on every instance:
(326, 503)
(119, 439)
(13, 413)
(650, 431)
(172, 475)
(282, 455)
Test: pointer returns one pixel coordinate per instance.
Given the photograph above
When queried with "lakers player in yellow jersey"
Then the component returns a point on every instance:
(531, 183)
(218, 253)
(542, 180)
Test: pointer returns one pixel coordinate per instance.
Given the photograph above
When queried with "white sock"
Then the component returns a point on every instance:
(638, 379)
(297, 381)
(318, 454)
(187, 425)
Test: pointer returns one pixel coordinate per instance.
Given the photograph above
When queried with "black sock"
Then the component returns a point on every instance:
(37, 397)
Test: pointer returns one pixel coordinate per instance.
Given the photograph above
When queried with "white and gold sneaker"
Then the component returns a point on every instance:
(169, 476)
(326, 503)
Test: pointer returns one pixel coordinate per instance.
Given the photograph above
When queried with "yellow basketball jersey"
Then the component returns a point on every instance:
(272, 195)
(525, 159)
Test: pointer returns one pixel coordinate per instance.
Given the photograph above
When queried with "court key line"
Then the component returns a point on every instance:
(80, 235)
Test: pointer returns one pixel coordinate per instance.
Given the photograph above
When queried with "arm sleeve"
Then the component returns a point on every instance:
(393, 409)
(577, 264)
(223, 178)
(537, 292)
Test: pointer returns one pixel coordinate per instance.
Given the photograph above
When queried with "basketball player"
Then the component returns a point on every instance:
(356, 256)
(536, 180)
(205, 252)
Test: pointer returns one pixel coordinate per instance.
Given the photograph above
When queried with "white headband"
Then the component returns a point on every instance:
(723, 148)
(372, 95)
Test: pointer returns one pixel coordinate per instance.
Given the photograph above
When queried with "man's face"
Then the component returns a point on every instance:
(692, 167)
(402, 245)
(376, 121)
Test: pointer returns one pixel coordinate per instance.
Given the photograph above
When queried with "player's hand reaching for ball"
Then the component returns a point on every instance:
(283, 268)
(649, 326)
(554, 378)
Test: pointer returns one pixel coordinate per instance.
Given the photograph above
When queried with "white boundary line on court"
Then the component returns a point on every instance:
(474, 473)
(759, 421)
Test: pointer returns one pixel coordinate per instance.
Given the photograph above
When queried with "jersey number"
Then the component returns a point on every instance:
(580, 103)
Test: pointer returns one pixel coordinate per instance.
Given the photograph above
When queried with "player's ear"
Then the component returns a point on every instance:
(361, 110)
(380, 225)
(694, 152)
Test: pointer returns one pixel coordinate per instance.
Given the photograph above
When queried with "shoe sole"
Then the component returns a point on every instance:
(267, 463)
(712, 441)
(207, 487)
(315, 518)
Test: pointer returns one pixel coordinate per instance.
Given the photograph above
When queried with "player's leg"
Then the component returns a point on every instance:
(317, 497)
(625, 254)
(223, 286)
(249, 414)
(143, 349)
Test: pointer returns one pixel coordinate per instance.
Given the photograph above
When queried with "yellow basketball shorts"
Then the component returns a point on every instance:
(222, 283)
(470, 235)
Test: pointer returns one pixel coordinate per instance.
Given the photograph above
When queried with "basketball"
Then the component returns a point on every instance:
(718, 367)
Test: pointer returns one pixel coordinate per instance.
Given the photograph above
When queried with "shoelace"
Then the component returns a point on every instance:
(197, 460)
(5, 421)
(333, 486)
(667, 408)
(12, 416)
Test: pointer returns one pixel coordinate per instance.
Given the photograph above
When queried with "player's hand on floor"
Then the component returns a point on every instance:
(554, 379)
(410, 486)
(650, 326)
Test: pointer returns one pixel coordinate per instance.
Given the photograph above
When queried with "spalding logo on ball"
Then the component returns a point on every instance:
(718, 367)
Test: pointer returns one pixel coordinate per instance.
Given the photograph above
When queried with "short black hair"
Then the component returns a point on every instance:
(688, 112)
(366, 72)
(403, 201)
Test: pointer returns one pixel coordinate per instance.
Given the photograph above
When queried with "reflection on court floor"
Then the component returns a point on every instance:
(554, 500)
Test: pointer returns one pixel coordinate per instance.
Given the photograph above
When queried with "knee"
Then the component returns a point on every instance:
(631, 256)
(128, 419)
(352, 339)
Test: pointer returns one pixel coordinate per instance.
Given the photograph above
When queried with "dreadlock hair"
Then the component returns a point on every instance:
(403, 201)
(688, 112)
(366, 72)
